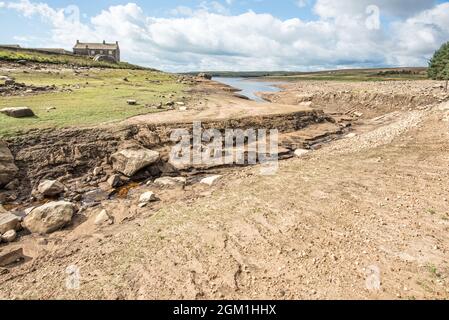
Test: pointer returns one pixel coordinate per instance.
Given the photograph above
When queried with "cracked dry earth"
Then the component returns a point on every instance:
(315, 230)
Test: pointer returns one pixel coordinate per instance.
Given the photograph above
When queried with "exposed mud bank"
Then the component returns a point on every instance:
(363, 99)
(71, 154)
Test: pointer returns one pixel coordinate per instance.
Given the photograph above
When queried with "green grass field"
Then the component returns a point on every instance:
(98, 96)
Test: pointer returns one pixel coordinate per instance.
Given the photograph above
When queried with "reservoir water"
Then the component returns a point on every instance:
(249, 86)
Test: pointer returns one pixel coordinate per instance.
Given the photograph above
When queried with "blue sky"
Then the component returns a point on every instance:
(239, 34)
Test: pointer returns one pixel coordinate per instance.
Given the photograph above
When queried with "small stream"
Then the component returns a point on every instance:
(249, 86)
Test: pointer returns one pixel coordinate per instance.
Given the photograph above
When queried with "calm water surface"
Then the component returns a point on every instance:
(250, 86)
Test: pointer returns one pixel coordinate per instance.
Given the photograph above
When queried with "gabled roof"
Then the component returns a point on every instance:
(96, 46)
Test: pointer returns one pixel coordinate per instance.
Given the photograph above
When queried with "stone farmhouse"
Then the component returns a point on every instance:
(98, 51)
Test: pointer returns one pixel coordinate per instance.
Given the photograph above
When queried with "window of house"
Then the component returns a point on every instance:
(101, 51)
(92, 52)
(110, 52)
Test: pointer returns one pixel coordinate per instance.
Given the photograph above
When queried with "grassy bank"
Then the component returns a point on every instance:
(87, 98)
(41, 57)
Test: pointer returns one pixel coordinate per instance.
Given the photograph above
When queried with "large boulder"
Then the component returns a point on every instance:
(50, 188)
(50, 217)
(8, 169)
(8, 221)
(130, 161)
(19, 112)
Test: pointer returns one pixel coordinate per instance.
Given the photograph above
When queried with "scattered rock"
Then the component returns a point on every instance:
(50, 109)
(130, 161)
(301, 152)
(8, 169)
(180, 103)
(50, 217)
(50, 188)
(210, 181)
(148, 197)
(103, 218)
(9, 82)
(19, 112)
(132, 102)
(170, 182)
(183, 109)
(10, 256)
(9, 221)
(358, 114)
(9, 236)
(115, 181)
(205, 76)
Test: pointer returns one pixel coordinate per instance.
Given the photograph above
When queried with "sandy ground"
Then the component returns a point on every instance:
(211, 101)
(364, 217)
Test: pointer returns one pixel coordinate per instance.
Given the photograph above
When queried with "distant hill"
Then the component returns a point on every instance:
(406, 73)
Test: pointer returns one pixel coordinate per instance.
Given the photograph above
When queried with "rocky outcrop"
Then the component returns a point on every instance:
(50, 188)
(206, 76)
(8, 169)
(50, 217)
(131, 161)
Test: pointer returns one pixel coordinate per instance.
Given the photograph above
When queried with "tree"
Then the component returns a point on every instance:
(439, 64)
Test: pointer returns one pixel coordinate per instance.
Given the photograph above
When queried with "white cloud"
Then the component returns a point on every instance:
(209, 38)
(340, 8)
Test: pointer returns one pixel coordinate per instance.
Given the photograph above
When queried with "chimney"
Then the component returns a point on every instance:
(104, 42)
(77, 41)
(116, 42)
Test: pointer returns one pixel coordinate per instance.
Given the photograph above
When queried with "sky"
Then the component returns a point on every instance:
(238, 35)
